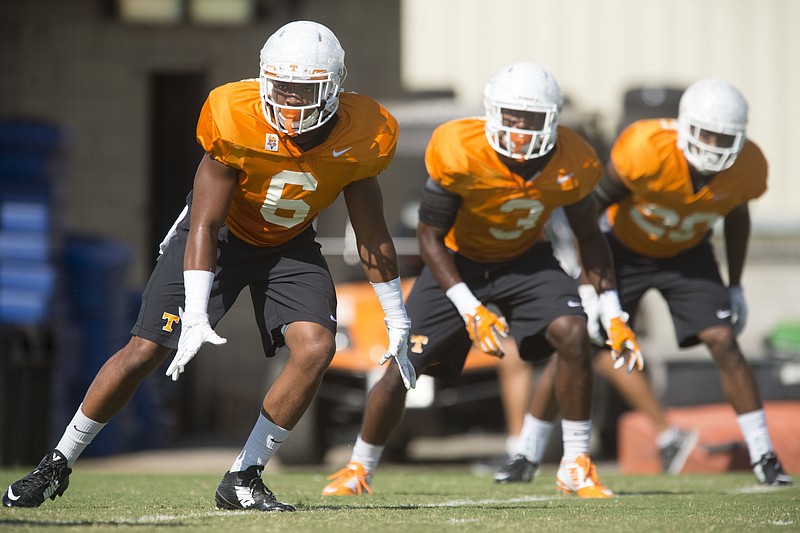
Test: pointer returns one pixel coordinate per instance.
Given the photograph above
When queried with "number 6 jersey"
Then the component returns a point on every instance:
(663, 215)
(281, 188)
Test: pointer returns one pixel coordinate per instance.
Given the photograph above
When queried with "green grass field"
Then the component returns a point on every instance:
(415, 498)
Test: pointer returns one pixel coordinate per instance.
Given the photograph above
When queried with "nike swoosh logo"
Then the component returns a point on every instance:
(337, 153)
(333, 318)
(79, 431)
(573, 303)
(11, 495)
(562, 179)
(723, 314)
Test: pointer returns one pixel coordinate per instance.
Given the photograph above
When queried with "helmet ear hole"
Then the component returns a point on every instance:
(518, 90)
(301, 53)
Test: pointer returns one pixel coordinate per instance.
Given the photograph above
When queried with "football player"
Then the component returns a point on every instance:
(493, 182)
(280, 149)
(530, 418)
(668, 182)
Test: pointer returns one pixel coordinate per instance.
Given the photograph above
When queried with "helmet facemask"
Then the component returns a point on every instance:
(712, 122)
(523, 103)
(714, 156)
(519, 142)
(301, 74)
(318, 101)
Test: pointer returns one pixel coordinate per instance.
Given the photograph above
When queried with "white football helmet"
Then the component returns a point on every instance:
(712, 106)
(306, 53)
(522, 87)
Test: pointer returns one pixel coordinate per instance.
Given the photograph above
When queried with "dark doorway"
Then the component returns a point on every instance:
(176, 100)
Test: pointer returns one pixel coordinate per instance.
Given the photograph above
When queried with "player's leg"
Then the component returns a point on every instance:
(295, 306)
(741, 391)
(675, 444)
(537, 421)
(515, 378)
(155, 335)
(700, 307)
(439, 340)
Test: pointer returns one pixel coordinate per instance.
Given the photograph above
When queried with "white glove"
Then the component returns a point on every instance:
(195, 331)
(591, 306)
(738, 308)
(398, 348)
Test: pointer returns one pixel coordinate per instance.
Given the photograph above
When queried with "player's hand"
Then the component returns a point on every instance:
(738, 308)
(485, 329)
(591, 306)
(623, 344)
(195, 331)
(398, 349)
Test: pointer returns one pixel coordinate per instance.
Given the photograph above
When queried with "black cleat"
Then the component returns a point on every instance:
(48, 480)
(674, 455)
(518, 469)
(246, 490)
(768, 471)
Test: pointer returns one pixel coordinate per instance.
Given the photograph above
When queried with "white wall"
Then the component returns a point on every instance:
(599, 48)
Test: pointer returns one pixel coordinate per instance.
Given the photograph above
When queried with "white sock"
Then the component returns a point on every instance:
(261, 445)
(666, 437)
(754, 429)
(79, 433)
(367, 454)
(534, 438)
(576, 434)
(514, 446)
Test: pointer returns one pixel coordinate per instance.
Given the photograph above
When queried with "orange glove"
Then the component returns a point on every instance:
(485, 329)
(621, 339)
(623, 344)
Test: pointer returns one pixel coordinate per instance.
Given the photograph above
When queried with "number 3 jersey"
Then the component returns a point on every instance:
(502, 214)
(282, 188)
(663, 215)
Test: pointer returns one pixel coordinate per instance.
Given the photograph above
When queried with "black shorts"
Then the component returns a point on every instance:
(288, 283)
(530, 291)
(689, 282)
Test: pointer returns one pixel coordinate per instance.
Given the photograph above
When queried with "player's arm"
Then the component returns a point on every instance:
(599, 269)
(737, 238)
(214, 184)
(364, 201)
(610, 189)
(437, 214)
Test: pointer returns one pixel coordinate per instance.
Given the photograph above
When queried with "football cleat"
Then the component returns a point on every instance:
(518, 469)
(352, 480)
(48, 480)
(246, 490)
(579, 477)
(768, 471)
(675, 454)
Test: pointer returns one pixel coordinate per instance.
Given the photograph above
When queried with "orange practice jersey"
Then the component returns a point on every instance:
(663, 215)
(502, 214)
(282, 189)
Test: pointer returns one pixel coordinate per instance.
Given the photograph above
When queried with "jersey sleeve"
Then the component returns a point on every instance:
(214, 131)
(755, 169)
(633, 155)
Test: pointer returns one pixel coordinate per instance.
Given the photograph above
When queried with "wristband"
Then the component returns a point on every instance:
(197, 287)
(463, 299)
(390, 294)
(587, 293)
(610, 307)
